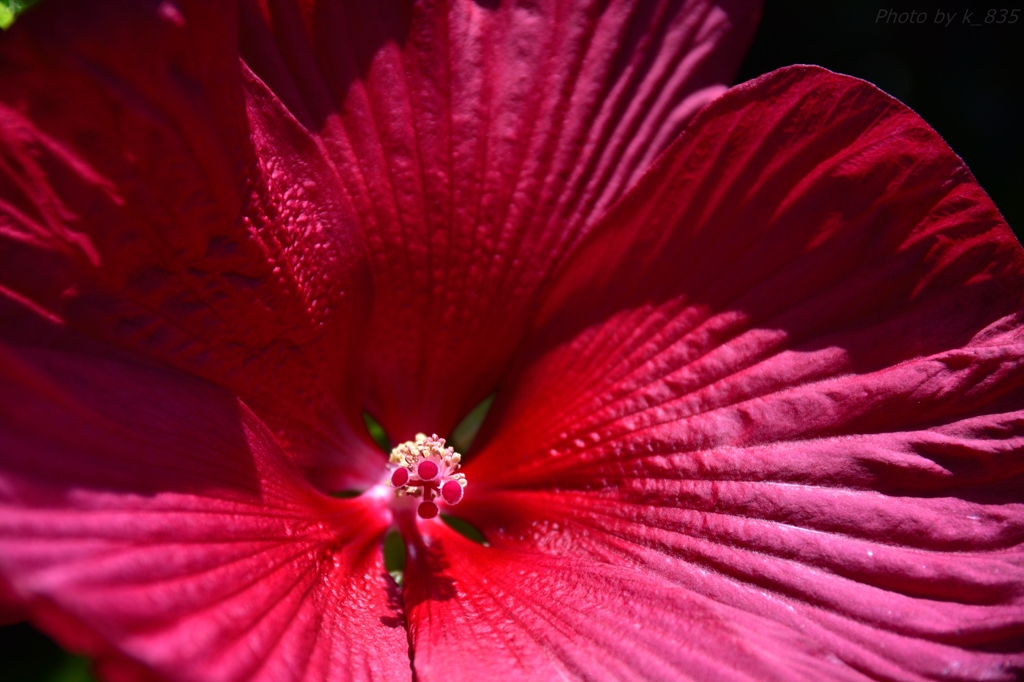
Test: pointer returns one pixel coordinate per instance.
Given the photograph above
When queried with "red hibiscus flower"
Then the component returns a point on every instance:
(758, 369)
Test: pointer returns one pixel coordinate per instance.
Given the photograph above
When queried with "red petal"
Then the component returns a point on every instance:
(483, 614)
(787, 374)
(479, 141)
(155, 197)
(151, 518)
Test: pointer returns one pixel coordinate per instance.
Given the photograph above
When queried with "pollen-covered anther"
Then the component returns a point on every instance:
(425, 468)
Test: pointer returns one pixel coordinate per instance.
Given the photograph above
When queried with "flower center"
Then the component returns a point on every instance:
(426, 468)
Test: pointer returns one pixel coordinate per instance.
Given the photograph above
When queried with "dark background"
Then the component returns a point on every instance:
(966, 81)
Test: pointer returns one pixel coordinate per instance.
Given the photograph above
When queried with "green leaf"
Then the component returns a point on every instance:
(394, 555)
(6, 15)
(465, 529)
(11, 9)
(347, 494)
(74, 669)
(377, 432)
(463, 435)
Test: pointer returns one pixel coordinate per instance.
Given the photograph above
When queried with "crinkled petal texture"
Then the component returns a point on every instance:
(357, 213)
(508, 614)
(764, 422)
(478, 141)
(770, 418)
(149, 517)
(159, 206)
(154, 195)
(228, 218)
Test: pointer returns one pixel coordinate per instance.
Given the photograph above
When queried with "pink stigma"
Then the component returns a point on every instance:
(400, 477)
(427, 510)
(427, 469)
(451, 491)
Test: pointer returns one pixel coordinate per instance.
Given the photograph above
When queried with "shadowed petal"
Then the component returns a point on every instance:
(479, 141)
(155, 196)
(147, 518)
(786, 374)
(11, 608)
